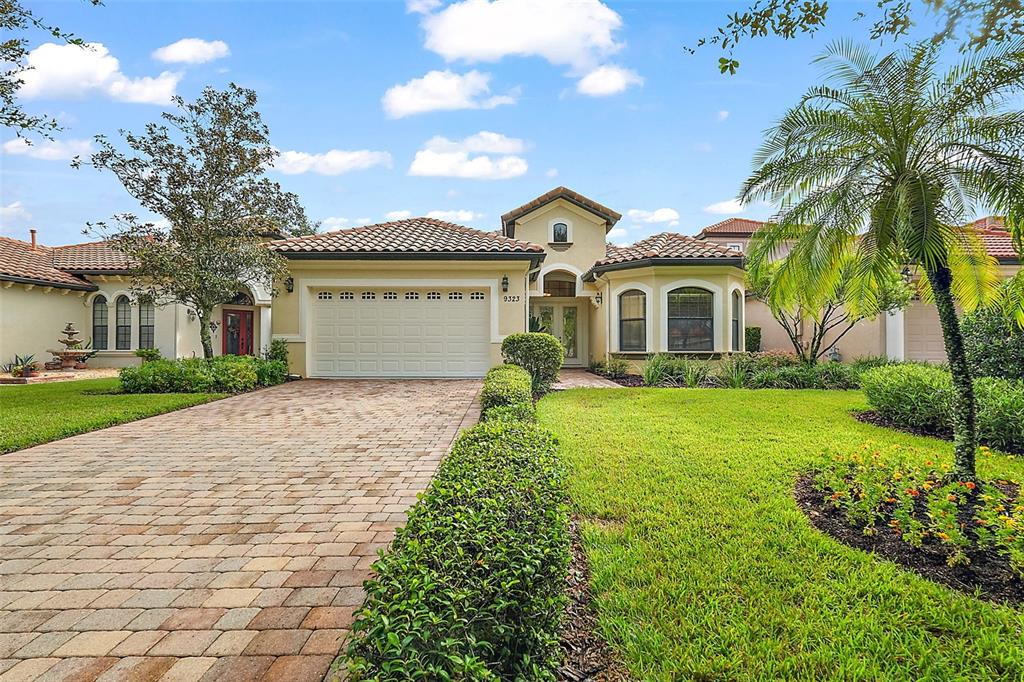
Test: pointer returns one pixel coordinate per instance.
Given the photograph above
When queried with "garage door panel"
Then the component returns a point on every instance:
(394, 332)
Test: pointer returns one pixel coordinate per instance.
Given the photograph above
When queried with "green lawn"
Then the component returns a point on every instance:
(704, 567)
(38, 413)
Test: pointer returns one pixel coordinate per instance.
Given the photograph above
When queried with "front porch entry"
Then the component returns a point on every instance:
(238, 332)
(565, 319)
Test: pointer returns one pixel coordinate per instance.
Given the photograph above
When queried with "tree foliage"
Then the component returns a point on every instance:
(203, 170)
(890, 159)
(15, 19)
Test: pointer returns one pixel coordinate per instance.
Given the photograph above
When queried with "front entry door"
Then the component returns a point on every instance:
(237, 326)
(564, 321)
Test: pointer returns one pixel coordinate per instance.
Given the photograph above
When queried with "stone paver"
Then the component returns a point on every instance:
(228, 541)
(581, 378)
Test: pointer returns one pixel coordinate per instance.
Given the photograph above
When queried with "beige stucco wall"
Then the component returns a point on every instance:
(586, 234)
(31, 319)
(290, 321)
(866, 339)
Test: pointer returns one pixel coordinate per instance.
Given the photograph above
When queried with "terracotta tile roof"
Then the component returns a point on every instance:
(999, 245)
(19, 262)
(667, 246)
(611, 217)
(91, 257)
(733, 227)
(410, 236)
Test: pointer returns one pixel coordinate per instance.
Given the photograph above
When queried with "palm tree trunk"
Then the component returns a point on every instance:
(965, 432)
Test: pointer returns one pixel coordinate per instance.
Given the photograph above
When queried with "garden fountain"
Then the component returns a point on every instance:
(74, 354)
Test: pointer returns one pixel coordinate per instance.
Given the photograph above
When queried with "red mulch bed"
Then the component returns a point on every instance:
(988, 576)
(875, 419)
(586, 655)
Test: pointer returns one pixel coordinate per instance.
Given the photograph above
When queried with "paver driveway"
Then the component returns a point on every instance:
(227, 541)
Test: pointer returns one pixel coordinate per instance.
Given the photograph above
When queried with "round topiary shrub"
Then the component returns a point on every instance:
(539, 354)
(994, 346)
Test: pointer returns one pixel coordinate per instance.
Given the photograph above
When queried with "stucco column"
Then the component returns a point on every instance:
(265, 330)
(894, 336)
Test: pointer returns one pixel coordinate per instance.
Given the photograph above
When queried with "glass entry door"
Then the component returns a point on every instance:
(237, 332)
(562, 320)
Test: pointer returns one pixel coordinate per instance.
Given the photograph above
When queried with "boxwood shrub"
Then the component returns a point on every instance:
(538, 353)
(516, 412)
(473, 587)
(222, 374)
(505, 385)
(994, 346)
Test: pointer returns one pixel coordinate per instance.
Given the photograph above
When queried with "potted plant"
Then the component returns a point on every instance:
(22, 366)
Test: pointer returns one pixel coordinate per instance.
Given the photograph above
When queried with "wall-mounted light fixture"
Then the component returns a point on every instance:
(598, 298)
(906, 274)
(213, 326)
(289, 284)
(191, 315)
(504, 284)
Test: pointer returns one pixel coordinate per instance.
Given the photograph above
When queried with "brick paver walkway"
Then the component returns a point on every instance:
(228, 541)
(581, 378)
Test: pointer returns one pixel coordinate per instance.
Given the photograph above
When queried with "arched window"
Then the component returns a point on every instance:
(737, 329)
(633, 320)
(147, 318)
(690, 319)
(560, 233)
(100, 330)
(123, 322)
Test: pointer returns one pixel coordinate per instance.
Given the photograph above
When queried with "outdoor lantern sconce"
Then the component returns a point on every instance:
(504, 284)
(191, 315)
(213, 326)
(906, 274)
(598, 298)
(289, 285)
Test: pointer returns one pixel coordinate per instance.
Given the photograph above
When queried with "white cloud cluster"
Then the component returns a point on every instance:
(723, 114)
(618, 236)
(608, 80)
(192, 51)
(338, 223)
(48, 150)
(74, 71)
(460, 215)
(727, 207)
(333, 162)
(443, 91)
(397, 215)
(483, 156)
(661, 215)
(13, 212)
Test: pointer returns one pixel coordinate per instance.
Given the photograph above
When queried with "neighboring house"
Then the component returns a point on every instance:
(42, 288)
(911, 334)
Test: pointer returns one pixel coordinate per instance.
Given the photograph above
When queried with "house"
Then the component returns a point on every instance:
(42, 288)
(910, 334)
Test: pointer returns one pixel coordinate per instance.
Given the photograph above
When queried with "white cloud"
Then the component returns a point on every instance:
(443, 91)
(456, 216)
(704, 147)
(334, 223)
(608, 80)
(661, 215)
(551, 173)
(452, 193)
(576, 33)
(618, 235)
(48, 150)
(13, 212)
(363, 221)
(470, 157)
(421, 6)
(333, 162)
(727, 207)
(722, 115)
(192, 51)
(73, 71)
(397, 215)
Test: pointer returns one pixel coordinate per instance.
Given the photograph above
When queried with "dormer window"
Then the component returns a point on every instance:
(560, 233)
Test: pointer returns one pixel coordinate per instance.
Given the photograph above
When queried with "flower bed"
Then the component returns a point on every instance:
(967, 534)
(222, 374)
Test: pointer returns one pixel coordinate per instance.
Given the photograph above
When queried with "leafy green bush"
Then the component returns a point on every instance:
(668, 370)
(539, 354)
(612, 368)
(148, 354)
(505, 385)
(733, 372)
(910, 395)
(752, 338)
(833, 376)
(222, 374)
(1000, 412)
(773, 359)
(515, 412)
(473, 587)
(278, 350)
(994, 347)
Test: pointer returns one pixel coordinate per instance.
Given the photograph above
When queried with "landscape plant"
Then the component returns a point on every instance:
(887, 161)
(222, 374)
(538, 353)
(505, 385)
(994, 346)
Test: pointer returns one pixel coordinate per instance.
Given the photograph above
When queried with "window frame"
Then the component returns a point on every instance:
(622, 320)
(669, 317)
(568, 231)
(147, 332)
(736, 320)
(122, 323)
(100, 305)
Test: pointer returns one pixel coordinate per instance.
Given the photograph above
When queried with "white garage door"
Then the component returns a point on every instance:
(923, 335)
(400, 332)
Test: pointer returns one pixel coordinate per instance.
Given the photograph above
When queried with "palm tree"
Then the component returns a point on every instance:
(889, 160)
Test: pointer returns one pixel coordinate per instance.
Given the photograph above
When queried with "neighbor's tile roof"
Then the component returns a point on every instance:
(91, 257)
(413, 235)
(733, 226)
(20, 262)
(667, 245)
(561, 193)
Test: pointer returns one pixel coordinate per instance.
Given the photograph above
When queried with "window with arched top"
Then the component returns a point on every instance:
(633, 320)
(323, 296)
(100, 330)
(560, 233)
(346, 296)
(412, 296)
(147, 324)
(368, 296)
(390, 296)
(455, 296)
(737, 322)
(123, 323)
(476, 296)
(691, 319)
(433, 295)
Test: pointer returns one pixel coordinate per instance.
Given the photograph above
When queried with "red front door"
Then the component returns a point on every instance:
(237, 337)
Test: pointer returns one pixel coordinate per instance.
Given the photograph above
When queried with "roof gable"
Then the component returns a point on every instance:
(609, 216)
(21, 262)
(667, 248)
(732, 227)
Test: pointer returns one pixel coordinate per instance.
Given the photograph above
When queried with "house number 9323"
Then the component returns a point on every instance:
(512, 299)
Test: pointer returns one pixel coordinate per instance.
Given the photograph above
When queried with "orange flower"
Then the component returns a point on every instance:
(970, 485)
(951, 498)
(913, 492)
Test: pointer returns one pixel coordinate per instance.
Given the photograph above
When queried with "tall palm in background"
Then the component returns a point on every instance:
(887, 162)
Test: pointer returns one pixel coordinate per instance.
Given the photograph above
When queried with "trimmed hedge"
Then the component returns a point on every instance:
(752, 339)
(919, 396)
(539, 354)
(516, 412)
(994, 346)
(222, 374)
(473, 587)
(505, 385)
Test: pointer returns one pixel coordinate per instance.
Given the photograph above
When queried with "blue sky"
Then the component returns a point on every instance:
(599, 97)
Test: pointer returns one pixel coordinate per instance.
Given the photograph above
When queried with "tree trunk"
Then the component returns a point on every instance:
(965, 432)
(204, 333)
